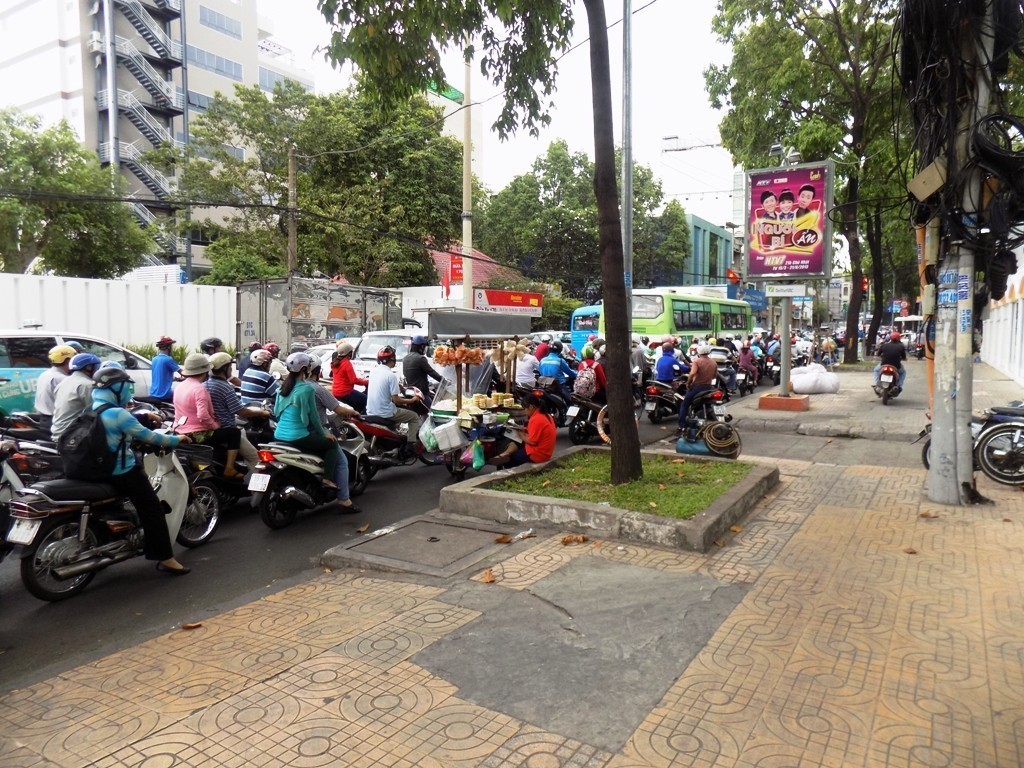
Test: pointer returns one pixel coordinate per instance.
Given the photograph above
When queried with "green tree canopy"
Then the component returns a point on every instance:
(371, 194)
(56, 205)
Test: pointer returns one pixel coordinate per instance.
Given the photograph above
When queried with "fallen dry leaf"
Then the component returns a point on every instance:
(661, 486)
(652, 504)
(735, 528)
(910, 550)
(364, 529)
(545, 484)
(678, 461)
(197, 625)
(719, 543)
(328, 569)
(680, 474)
(488, 577)
(828, 441)
(503, 539)
(573, 538)
(597, 544)
(1007, 520)
(927, 515)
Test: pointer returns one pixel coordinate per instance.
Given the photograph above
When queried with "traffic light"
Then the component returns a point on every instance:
(864, 284)
(732, 277)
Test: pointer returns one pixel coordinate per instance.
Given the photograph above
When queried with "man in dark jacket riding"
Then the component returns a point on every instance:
(417, 368)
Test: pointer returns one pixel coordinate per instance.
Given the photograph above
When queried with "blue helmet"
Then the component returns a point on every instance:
(420, 341)
(84, 360)
(112, 364)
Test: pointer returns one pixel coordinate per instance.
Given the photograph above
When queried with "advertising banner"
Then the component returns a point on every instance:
(509, 302)
(455, 269)
(790, 232)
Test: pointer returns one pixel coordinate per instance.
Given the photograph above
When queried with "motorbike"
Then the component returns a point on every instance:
(584, 415)
(287, 480)
(888, 384)
(558, 406)
(772, 369)
(69, 530)
(998, 443)
(21, 464)
(662, 399)
(744, 381)
(21, 425)
(210, 491)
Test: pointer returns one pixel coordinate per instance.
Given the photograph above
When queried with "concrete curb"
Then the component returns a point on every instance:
(475, 498)
(836, 428)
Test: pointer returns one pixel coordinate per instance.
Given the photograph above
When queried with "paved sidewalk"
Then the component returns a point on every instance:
(848, 623)
(856, 412)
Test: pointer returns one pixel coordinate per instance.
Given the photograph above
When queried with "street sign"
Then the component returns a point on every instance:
(775, 291)
(509, 302)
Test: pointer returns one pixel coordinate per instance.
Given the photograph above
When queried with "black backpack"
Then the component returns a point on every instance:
(83, 446)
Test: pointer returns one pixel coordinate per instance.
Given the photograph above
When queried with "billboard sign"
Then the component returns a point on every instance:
(787, 218)
(455, 269)
(508, 302)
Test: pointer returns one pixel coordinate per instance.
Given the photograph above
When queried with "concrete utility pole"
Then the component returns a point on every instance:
(627, 153)
(467, 188)
(293, 241)
(951, 476)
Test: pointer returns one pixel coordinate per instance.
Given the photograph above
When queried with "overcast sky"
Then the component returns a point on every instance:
(672, 44)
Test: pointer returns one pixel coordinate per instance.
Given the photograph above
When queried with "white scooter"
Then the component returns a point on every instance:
(67, 530)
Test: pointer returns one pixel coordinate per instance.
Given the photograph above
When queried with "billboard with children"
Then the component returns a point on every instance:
(789, 229)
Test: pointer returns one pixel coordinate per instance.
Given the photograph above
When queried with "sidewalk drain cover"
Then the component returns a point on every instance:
(424, 545)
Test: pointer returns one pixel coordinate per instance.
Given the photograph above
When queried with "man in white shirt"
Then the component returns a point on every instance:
(74, 394)
(526, 367)
(383, 398)
(48, 381)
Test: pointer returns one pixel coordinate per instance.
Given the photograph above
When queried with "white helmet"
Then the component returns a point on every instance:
(545, 337)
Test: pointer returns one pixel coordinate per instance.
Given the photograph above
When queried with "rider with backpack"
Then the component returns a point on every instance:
(591, 382)
(97, 448)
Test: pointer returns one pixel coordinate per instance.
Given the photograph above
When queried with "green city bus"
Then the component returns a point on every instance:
(661, 312)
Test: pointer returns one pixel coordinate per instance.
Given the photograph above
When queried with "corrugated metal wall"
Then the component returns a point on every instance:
(117, 310)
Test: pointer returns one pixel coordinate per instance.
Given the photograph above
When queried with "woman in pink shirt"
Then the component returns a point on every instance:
(193, 413)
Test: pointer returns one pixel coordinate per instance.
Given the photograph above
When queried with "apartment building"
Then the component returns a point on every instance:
(128, 75)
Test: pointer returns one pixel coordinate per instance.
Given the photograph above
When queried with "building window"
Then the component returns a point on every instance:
(218, 21)
(214, 63)
(268, 78)
(198, 102)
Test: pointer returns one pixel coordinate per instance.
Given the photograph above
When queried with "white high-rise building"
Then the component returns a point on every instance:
(128, 74)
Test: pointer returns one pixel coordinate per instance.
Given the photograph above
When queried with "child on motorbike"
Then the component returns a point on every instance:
(114, 387)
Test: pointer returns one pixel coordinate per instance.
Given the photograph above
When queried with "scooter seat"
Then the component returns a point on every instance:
(284, 447)
(75, 490)
(380, 421)
(1006, 410)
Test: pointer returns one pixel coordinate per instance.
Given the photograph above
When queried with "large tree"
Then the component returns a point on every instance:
(398, 48)
(819, 78)
(58, 205)
(371, 193)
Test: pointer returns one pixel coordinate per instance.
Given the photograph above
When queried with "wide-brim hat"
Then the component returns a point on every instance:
(195, 364)
(219, 360)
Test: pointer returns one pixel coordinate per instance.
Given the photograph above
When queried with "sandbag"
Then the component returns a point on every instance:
(813, 379)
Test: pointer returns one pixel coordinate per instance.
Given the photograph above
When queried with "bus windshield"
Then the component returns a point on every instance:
(648, 307)
(586, 322)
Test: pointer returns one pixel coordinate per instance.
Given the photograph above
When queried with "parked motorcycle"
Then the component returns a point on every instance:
(68, 530)
(888, 383)
(662, 399)
(998, 443)
(583, 415)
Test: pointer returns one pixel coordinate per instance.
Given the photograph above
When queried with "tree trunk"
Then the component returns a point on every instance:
(626, 464)
(850, 231)
(874, 237)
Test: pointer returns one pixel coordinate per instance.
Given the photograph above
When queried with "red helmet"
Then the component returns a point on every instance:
(272, 348)
(895, 336)
(385, 353)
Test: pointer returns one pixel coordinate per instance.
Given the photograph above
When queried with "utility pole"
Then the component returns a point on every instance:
(627, 155)
(467, 187)
(293, 241)
(951, 474)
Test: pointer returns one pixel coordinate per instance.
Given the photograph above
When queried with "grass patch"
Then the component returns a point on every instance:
(671, 487)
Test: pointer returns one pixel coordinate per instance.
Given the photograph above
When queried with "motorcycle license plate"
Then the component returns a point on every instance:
(887, 379)
(23, 531)
(572, 411)
(259, 483)
(649, 406)
(741, 377)
(719, 410)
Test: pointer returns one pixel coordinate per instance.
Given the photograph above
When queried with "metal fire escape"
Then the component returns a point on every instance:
(150, 58)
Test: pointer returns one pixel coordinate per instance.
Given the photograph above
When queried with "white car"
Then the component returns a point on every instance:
(24, 354)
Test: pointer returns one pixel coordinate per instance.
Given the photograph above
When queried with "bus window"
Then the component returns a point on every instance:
(691, 316)
(735, 319)
(584, 322)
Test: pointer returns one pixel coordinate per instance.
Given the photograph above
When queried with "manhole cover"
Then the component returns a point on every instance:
(421, 545)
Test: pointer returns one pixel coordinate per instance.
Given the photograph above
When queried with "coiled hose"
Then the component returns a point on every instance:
(722, 439)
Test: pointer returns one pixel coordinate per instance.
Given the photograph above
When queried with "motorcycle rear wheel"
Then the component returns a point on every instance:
(1000, 454)
(885, 397)
(55, 545)
(579, 431)
(926, 454)
(201, 516)
(655, 416)
(359, 477)
(275, 511)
